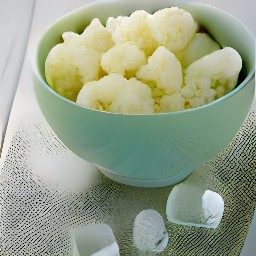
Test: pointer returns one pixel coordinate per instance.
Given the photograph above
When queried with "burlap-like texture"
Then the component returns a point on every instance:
(36, 217)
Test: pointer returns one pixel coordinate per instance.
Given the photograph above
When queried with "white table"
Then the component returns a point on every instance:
(16, 19)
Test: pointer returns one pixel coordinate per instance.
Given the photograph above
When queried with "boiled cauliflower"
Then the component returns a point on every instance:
(116, 94)
(211, 76)
(200, 45)
(124, 58)
(97, 37)
(135, 28)
(170, 103)
(163, 73)
(69, 65)
(142, 63)
(173, 28)
(77, 60)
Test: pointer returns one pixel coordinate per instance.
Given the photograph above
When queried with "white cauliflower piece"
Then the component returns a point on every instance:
(69, 65)
(173, 28)
(116, 94)
(124, 58)
(163, 74)
(200, 45)
(163, 71)
(97, 37)
(201, 98)
(135, 29)
(171, 103)
(69, 35)
(211, 77)
(115, 25)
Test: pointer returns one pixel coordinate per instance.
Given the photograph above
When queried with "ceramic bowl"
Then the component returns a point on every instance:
(148, 150)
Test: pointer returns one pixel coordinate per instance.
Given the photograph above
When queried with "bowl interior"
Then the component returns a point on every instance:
(224, 28)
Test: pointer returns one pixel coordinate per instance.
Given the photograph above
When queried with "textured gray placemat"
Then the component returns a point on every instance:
(36, 216)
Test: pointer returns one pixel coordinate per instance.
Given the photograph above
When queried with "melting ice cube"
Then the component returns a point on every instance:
(94, 240)
(193, 206)
(149, 232)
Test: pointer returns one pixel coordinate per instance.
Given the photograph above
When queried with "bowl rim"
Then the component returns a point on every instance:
(36, 71)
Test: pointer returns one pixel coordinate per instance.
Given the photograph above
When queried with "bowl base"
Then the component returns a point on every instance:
(146, 183)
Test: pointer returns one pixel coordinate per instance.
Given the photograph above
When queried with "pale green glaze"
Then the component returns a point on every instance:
(149, 147)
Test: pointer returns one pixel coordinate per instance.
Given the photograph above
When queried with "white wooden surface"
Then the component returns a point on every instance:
(15, 21)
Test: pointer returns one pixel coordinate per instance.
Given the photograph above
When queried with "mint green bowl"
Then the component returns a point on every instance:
(148, 150)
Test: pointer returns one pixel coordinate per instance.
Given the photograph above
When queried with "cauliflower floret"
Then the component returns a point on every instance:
(173, 28)
(69, 35)
(135, 29)
(201, 44)
(114, 26)
(69, 65)
(211, 77)
(97, 37)
(170, 103)
(201, 97)
(162, 72)
(116, 94)
(125, 59)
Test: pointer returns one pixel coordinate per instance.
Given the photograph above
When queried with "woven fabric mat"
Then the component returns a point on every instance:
(36, 215)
